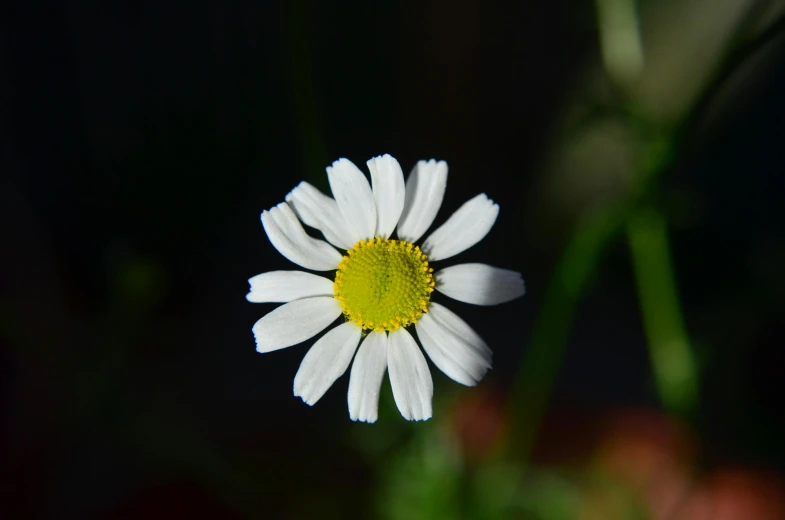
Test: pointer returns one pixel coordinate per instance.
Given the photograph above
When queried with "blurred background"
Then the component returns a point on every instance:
(635, 150)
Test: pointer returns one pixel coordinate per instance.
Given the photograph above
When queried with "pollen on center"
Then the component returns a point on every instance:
(384, 284)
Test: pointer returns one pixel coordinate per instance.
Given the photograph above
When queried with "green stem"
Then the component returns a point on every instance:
(580, 260)
(592, 236)
(543, 357)
(672, 359)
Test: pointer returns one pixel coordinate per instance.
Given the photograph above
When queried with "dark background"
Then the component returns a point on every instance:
(142, 141)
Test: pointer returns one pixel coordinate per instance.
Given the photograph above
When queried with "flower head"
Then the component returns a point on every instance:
(381, 285)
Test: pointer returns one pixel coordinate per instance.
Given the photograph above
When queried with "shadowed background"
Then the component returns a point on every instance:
(142, 142)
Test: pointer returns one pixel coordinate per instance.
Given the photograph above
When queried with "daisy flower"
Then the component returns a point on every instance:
(381, 285)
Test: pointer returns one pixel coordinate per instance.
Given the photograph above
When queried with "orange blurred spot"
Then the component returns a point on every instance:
(735, 495)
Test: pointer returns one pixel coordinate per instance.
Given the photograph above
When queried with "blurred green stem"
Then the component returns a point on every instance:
(543, 357)
(672, 360)
(594, 233)
(673, 364)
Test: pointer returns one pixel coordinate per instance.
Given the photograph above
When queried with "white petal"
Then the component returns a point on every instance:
(285, 286)
(294, 322)
(411, 381)
(319, 211)
(453, 346)
(424, 194)
(290, 239)
(479, 284)
(326, 361)
(365, 380)
(354, 197)
(388, 192)
(467, 226)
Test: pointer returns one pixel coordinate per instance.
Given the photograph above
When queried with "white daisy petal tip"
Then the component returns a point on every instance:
(480, 284)
(325, 362)
(365, 379)
(410, 377)
(286, 286)
(317, 210)
(287, 235)
(341, 161)
(294, 322)
(288, 196)
(354, 197)
(289, 199)
(453, 346)
(389, 191)
(425, 189)
(465, 228)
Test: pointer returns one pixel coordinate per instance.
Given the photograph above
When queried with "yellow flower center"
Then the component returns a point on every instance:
(384, 284)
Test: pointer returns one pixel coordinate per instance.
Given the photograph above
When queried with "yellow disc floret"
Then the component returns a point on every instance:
(384, 284)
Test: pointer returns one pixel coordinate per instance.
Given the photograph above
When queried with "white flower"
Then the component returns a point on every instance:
(381, 285)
